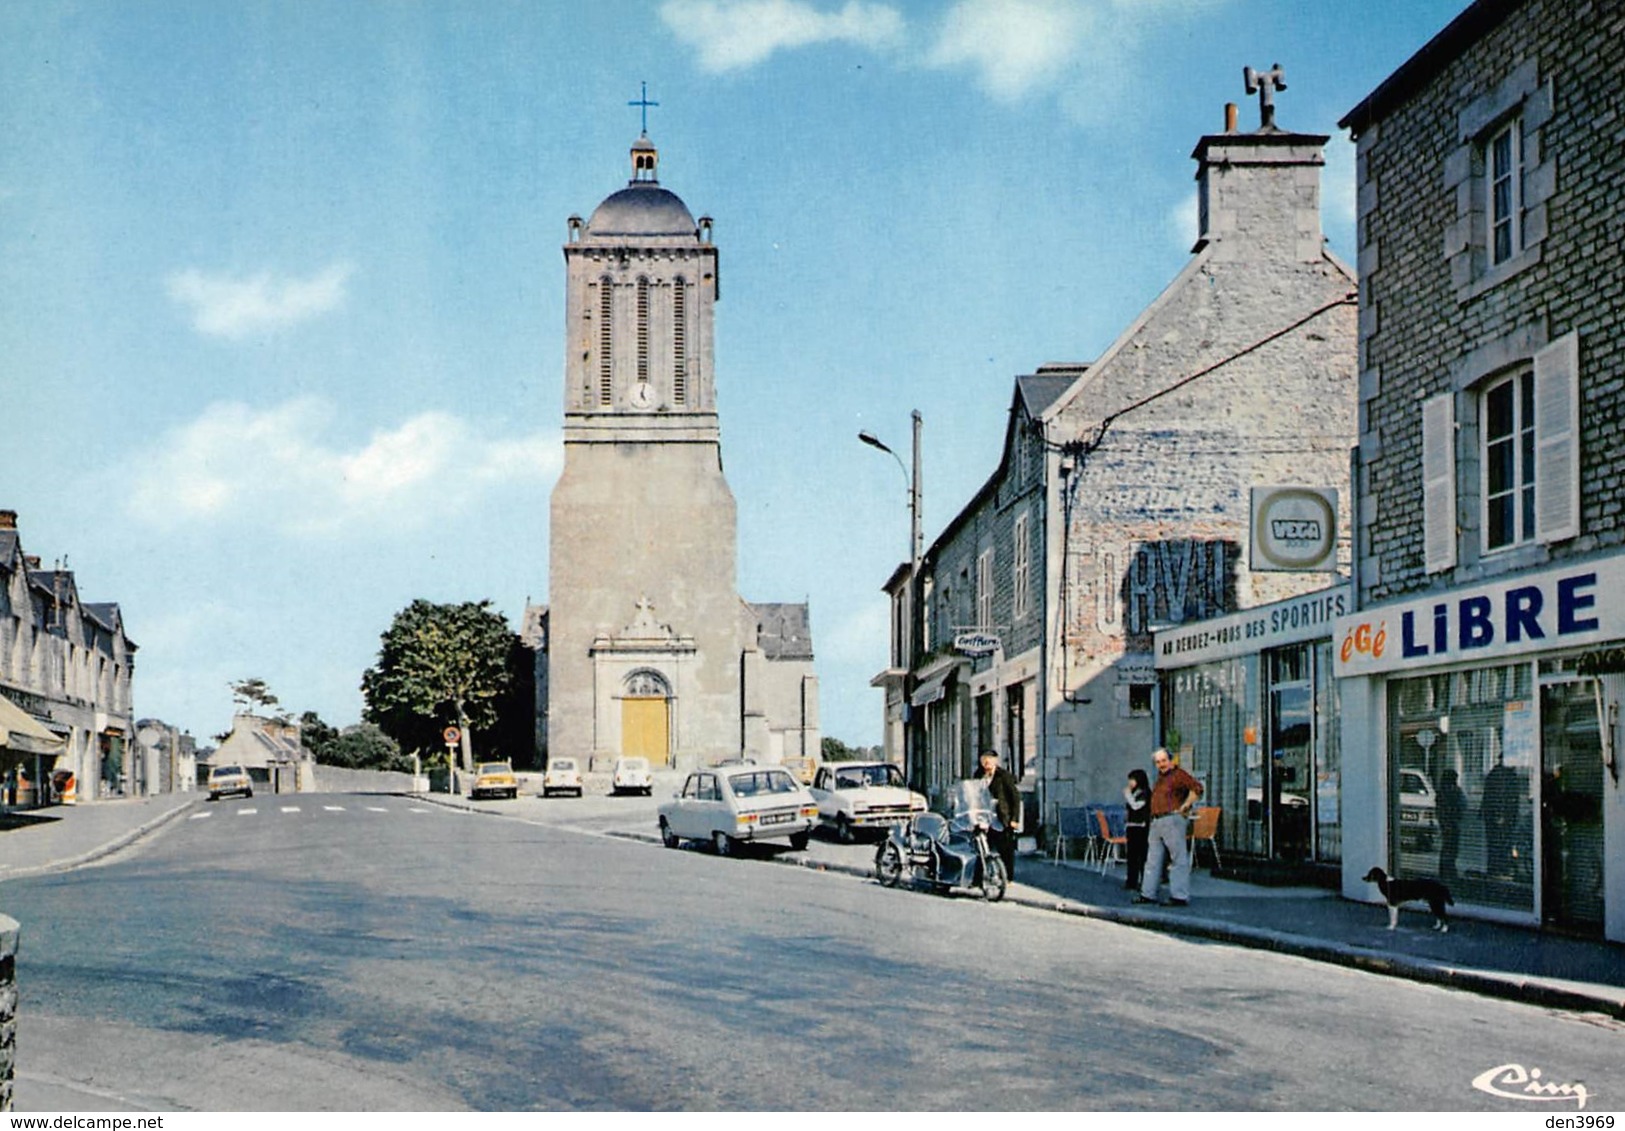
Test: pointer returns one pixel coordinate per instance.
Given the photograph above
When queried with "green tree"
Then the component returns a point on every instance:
(439, 664)
(252, 693)
(834, 750)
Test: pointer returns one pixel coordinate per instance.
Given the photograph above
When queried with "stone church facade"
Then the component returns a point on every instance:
(649, 649)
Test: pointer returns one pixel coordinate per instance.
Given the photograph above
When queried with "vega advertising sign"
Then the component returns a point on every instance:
(1294, 530)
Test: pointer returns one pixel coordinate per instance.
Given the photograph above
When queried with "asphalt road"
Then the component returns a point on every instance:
(338, 952)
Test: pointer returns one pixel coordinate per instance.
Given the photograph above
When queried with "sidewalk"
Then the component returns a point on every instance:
(60, 837)
(1495, 959)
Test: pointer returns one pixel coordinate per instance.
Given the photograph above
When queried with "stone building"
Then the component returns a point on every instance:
(649, 649)
(1121, 500)
(1480, 668)
(67, 665)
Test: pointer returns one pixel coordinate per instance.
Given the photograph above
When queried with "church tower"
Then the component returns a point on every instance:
(644, 619)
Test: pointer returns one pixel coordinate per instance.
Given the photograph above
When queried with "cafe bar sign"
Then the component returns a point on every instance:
(1568, 607)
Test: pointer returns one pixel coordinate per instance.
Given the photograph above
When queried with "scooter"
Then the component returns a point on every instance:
(949, 853)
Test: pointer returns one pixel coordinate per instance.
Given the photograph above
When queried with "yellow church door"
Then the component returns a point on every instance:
(645, 729)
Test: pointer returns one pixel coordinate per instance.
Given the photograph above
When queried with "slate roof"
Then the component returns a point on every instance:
(783, 631)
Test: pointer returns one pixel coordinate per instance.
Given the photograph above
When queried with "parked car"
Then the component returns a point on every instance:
(229, 780)
(731, 804)
(854, 796)
(1418, 810)
(494, 779)
(563, 775)
(631, 775)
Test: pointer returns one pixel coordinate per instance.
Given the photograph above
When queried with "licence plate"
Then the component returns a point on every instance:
(777, 818)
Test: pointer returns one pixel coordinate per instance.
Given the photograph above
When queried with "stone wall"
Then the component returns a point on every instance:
(1437, 318)
(8, 1007)
(338, 779)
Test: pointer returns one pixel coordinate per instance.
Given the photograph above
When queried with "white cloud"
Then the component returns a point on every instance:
(227, 307)
(273, 469)
(1184, 221)
(1015, 46)
(733, 35)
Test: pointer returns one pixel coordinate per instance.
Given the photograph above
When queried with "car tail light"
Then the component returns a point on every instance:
(809, 810)
(746, 818)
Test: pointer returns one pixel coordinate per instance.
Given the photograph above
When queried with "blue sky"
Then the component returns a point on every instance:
(281, 284)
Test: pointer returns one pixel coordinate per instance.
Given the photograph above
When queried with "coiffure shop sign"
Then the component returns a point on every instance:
(1535, 612)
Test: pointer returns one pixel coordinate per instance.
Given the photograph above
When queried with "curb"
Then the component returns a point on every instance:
(124, 840)
(1527, 991)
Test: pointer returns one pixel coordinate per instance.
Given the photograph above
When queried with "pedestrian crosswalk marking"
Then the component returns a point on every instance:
(417, 810)
(199, 816)
(334, 808)
(246, 812)
(290, 808)
(376, 809)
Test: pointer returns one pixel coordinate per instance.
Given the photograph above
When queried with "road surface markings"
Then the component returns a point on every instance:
(376, 809)
(419, 810)
(246, 812)
(334, 808)
(290, 808)
(200, 816)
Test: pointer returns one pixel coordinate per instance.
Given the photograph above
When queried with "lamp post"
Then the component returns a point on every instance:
(911, 481)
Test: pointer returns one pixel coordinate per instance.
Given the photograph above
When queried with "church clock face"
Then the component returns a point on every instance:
(642, 395)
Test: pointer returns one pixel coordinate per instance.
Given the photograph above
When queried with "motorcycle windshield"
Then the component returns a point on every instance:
(970, 804)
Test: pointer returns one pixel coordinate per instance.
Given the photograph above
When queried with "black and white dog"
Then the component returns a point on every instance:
(1397, 892)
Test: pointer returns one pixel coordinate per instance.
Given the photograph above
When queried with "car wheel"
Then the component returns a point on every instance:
(798, 841)
(248, 793)
(995, 882)
(843, 830)
(889, 865)
(667, 837)
(214, 797)
(724, 844)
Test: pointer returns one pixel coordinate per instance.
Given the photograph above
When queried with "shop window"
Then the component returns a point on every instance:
(1139, 699)
(1463, 751)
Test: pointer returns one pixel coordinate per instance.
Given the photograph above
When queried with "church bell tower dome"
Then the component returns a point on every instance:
(642, 209)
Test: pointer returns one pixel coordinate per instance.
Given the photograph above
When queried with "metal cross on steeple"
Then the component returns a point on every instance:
(1265, 84)
(643, 102)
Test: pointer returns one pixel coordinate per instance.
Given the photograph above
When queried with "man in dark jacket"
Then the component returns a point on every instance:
(1001, 783)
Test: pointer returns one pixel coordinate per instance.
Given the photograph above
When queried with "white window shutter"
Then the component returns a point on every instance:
(1557, 440)
(1439, 482)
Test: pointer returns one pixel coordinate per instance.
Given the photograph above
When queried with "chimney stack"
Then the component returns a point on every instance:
(1229, 117)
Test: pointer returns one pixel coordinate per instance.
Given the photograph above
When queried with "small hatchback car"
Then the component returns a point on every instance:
(729, 804)
(494, 779)
(563, 775)
(229, 780)
(632, 776)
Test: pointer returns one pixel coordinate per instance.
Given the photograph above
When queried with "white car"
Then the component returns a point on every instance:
(228, 780)
(563, 775)
(730, 804)
(863, 795)
(632, 775)
(1418, 810)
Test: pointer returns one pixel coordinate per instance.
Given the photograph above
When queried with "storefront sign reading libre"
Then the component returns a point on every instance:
(1528, 613)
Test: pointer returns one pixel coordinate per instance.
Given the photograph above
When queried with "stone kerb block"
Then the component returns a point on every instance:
(9, 931)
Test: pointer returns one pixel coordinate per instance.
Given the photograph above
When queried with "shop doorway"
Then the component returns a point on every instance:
(1571, 805)
(1289, 758)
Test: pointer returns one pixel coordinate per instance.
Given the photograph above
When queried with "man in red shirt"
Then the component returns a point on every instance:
(1171, 800)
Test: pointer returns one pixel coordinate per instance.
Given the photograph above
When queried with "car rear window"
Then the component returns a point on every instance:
(757, 782)
(494, 768)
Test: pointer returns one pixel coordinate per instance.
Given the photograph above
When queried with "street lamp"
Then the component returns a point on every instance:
(915, 550)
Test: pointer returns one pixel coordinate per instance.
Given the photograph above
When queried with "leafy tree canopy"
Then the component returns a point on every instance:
(438, 664)
(253, 693)
(834, 750)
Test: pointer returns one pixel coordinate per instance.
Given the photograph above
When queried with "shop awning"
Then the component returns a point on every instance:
(21, 732)
(932, 688)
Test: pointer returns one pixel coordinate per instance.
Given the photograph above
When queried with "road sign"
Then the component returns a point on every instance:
(452, 736)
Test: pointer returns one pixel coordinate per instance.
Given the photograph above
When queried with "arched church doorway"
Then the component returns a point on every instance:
(646, 717)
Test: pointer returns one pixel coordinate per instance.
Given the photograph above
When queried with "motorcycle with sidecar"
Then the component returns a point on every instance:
(947, 853)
